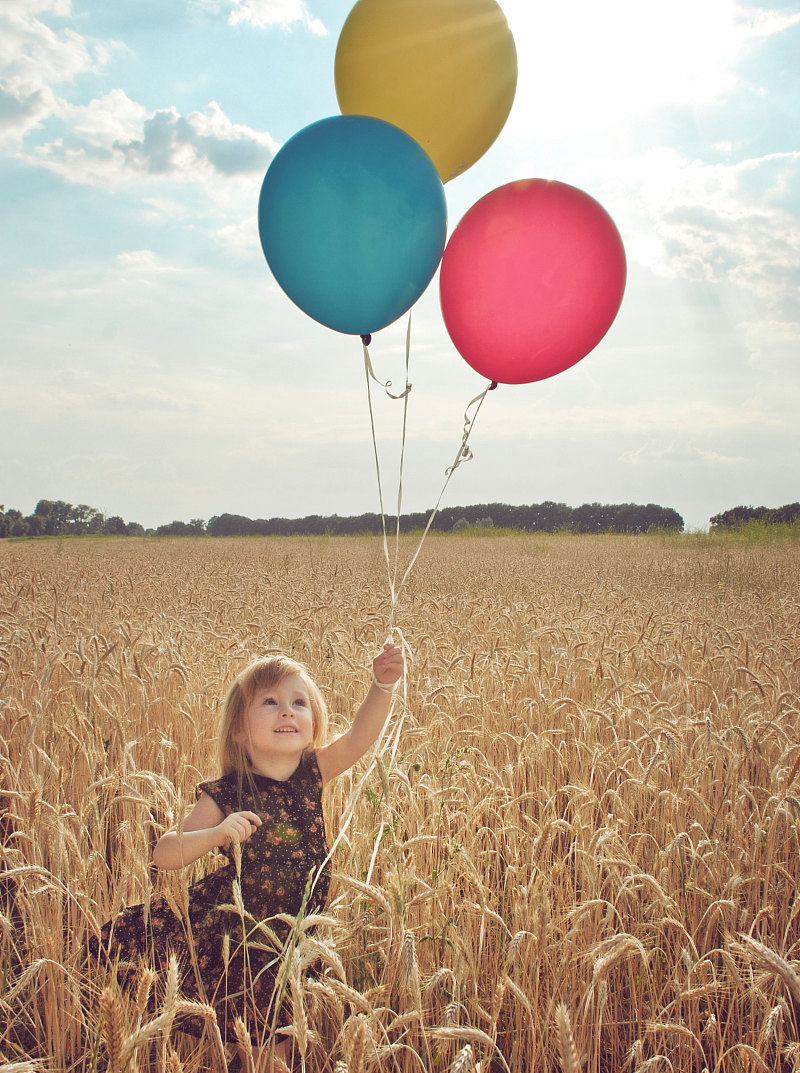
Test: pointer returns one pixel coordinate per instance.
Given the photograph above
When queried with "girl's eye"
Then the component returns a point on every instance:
(270, 700)
(301, 701)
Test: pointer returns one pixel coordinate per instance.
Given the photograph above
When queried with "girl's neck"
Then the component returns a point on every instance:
(278, 768)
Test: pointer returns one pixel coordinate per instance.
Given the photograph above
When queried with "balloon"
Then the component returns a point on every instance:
(531, 280)
(445, 71)
(352, 219)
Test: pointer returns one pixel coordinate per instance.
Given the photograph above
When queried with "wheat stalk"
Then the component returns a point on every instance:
(113, 1032)
(357, 1040)
(566, 1041)
(778, 966)
(409, 966)
(245, 1046)
(464, 1061)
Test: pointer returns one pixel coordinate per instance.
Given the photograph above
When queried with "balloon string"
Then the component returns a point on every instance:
(385, 384)
(393, 582)
(391, 742)
(369, 373)
(464, 454)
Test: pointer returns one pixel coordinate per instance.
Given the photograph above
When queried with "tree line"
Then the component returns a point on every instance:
(59, 518)
(545, 517)
(54, 517)
(736, 517)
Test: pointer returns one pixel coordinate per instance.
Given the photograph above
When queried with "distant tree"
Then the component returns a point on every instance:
(12, 523)
(313, 524)
(176, 529)
(460, 525)
(277, 527)
(789, 514)
(230, 525)
(739, 516)
(36, 525)
(732, 518)
(97, 523)
(624, 518)
(56, 515)
(555, 516)
(359, 523)
(663, 518)
(115, 526)
(20, 527)
(84, 519)
(589, 518)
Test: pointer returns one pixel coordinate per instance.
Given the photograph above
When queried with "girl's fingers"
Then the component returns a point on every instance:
(241, 825)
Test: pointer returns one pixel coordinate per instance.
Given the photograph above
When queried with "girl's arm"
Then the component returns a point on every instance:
(344, 751)
(205, 828)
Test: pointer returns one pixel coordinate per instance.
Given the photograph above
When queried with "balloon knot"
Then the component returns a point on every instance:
(366, 339)
(492, 386)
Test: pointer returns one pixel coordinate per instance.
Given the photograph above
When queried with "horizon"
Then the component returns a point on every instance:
(421, 518)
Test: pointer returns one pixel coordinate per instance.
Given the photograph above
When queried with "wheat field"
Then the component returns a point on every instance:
(577, 849)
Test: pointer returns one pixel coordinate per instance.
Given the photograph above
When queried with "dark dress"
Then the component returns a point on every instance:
(238, 977)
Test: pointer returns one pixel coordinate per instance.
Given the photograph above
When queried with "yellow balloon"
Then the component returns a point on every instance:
(444, 71)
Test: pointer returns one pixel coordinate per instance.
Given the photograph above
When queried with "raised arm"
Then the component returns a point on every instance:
(368, 722)
(205, 828)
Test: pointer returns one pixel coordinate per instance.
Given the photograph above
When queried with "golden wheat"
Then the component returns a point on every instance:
(589, 821)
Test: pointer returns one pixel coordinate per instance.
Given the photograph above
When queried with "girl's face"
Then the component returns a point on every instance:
(278, 720)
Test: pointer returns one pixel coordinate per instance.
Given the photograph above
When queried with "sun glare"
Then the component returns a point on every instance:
(589, 65)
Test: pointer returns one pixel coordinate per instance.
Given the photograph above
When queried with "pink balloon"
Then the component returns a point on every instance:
(531, 280)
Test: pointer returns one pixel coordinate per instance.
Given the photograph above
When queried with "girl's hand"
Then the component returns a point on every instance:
(237, 827)
(387, 667)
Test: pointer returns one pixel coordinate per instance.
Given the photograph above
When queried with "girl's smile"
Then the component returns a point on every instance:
(278, 717)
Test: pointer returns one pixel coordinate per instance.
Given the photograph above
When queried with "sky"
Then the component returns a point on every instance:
(151, 367)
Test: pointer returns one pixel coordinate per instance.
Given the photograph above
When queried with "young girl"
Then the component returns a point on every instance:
(265, 810)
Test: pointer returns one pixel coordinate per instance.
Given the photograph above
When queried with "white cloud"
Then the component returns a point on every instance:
(143, 262)
(105, 120)
(678, 453)
(274, 13)
(763, 22)
(177, 145)
(33, 59)
(241, 237)
(155, 208)
(112, 141)
(774, 349)
(32, 54)
(62, 8)
(717, 222)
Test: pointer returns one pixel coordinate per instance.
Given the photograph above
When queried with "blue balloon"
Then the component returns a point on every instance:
(353, 221)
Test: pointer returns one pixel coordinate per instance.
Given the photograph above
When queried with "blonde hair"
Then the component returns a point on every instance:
(263, 673)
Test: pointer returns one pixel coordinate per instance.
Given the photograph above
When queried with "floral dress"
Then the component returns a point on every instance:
(283, 870)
